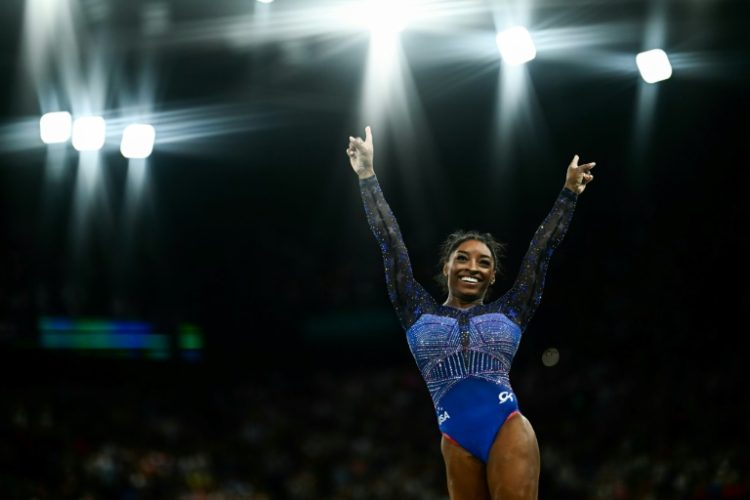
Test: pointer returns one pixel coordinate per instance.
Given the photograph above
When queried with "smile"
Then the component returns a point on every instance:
(469, 279)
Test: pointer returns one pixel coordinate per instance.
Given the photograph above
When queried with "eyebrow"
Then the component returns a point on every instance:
(467, 253)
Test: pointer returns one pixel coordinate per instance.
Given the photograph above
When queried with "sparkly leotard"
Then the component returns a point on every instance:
(465, 355)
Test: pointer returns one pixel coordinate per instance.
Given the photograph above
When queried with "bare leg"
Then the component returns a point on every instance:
(467, 479)
(513, 465)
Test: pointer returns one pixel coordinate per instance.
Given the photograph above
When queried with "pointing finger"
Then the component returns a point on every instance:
(368, 135)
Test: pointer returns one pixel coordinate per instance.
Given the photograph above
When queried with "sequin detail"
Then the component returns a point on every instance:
(450, 344)
(443, 360)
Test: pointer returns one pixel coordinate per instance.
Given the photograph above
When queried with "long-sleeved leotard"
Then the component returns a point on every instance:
(465, 355)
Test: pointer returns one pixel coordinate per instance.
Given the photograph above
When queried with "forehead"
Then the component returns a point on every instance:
(474, 247)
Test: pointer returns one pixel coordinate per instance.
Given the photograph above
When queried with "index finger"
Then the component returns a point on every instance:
(368, 135)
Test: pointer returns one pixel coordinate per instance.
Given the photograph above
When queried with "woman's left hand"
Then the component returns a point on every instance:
(578, 176)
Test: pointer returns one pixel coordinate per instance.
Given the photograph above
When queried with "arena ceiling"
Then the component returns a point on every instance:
(248, 207)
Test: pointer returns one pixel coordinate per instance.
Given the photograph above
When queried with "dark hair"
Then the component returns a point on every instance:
(497, 249)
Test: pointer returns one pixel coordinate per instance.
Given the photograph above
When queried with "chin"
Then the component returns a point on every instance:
(470, 296)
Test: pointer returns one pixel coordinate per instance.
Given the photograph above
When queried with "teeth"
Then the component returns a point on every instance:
(469, 279)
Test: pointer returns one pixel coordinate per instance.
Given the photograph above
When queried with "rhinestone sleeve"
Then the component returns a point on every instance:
(522, 300)
(408, 297)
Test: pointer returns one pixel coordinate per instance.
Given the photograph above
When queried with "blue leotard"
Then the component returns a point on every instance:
(465, 355)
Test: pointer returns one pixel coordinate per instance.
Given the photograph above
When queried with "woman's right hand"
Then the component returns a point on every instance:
(360, 154)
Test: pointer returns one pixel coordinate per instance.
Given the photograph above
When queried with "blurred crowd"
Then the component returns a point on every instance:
(354, 433)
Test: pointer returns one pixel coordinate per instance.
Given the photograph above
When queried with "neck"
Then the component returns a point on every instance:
(462, 302)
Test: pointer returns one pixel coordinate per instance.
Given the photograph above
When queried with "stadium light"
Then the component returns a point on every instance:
(137, 141)
(89, 133)
(55, 127)
(653, 65)
(516, 46)
(388, 17)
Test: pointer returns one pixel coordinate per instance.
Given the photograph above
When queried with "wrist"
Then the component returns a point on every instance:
(365, 174)
(571, 187)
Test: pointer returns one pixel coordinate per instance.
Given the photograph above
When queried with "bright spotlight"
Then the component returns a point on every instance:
(387, 17)
(265, 1)
(89, 133)
(137, 141)
(55, 127)
(516, 46)
(653, 65)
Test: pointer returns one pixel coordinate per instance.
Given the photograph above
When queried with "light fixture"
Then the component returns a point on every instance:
(653, 65)
(137, 141)
(89, 133)
(516, 46)
(55, 127)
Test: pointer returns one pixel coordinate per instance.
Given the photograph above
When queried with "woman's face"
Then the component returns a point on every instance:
(470, 270)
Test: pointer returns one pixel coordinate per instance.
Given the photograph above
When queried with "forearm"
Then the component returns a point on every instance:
(379, 215)
(555, 224)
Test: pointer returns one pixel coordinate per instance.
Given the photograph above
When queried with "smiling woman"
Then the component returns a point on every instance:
(471, 258)
(463, 347)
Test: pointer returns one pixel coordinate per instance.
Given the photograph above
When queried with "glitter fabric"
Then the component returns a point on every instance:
(451, 344)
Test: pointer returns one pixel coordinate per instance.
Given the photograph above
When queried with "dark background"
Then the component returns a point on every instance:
(250, 226)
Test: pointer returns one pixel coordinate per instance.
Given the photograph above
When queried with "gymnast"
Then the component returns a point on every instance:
(463, 347)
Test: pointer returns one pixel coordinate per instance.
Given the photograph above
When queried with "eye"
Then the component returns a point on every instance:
(486, 263)
(461, 257)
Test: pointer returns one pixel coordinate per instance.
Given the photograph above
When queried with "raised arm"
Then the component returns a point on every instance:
(522, 300)
(407, 296)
